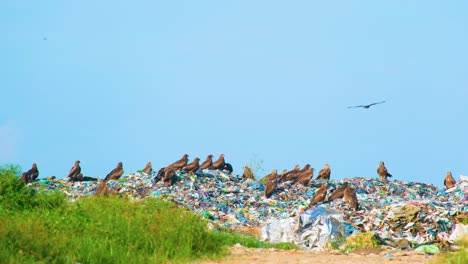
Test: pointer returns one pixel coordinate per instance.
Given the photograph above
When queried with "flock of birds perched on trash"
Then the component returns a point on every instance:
(297, 175)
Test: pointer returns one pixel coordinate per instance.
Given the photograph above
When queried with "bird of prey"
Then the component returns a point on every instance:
(148, 168)
(291, 175)
(192, 167)
(116, 173)
(179, 164)
(75, 170)
(169, 176)
(319, 196)
(324, 173)
(271, 183)
(338, 193)
(382, 171)
(227, 167)
(24, 178)
(160, 175)
(248, 174)
(366, 106)
(305, 175)
(449, 181)
(282, 176)
(103, 189)
(351, 198)
(219, 164)
(33, 173)
(207, 163)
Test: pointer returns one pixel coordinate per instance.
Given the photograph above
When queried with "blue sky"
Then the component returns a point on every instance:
(139, 81)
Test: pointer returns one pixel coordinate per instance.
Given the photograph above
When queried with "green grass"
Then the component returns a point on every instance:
(42, 227)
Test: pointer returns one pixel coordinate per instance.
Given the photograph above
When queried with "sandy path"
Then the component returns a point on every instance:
(252, 255)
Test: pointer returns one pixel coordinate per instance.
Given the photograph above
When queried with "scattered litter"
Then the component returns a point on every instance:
(419, 213)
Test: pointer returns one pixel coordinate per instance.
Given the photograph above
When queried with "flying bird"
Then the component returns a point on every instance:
(351, 198)
(382, 171)
(366, 106)
(207, 163)
(192, 167)
(116, 173)
(248, 174)
(219, 164)
(338, 193)
(319, 196)
(324, 173)
(75, 170)
(449, 181)
(33, 173)
(148, 168)
(179, 164)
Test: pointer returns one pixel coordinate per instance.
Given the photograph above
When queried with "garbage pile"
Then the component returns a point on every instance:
(394, 210)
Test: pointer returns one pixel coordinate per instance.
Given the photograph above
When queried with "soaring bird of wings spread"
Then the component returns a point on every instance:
(366, 106)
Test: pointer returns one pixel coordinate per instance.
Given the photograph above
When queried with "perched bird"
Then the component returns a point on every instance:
(449, 181)
(305, 175)
(219, 164)
(207, 163)
(179, 164)
(351, 198)
(324, 173)
(248, 174)
(227, 167)
(366, 106)
(319, 196)
(271, 183)
(338, 193)
(291, 175)
(192, 167)
(75, 170)
(116, 173)
(33, 173)
(148, 168)
(24, 178)
(160, 175)
(382, 171)
(169, 177)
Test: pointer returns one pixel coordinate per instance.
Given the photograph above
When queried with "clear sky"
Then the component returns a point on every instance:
(139, 81)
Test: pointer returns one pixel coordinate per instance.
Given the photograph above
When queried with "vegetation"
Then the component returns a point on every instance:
(42, 227)
(362, 241)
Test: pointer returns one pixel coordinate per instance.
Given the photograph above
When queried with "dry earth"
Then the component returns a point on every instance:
(239, 254)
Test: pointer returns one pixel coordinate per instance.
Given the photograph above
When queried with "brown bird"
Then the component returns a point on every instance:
(160, 175)
(179, 164)
(192, 167)
(449, 181)
(271, 183)
(116, 173)
(339, 192)
(219, 164)
(148, 168)
(351, 198)
(33, 173)
(291, 175)
(169, 177)
(24, 178)
(319, 196)
(248, 174)
(382, 171)
(207, 163)
(305, 176)
(324, 173)
(75, 170)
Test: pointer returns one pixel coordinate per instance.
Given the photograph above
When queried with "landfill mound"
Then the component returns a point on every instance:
(395, 211)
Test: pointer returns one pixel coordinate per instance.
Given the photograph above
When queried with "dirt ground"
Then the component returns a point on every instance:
(243, 255)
